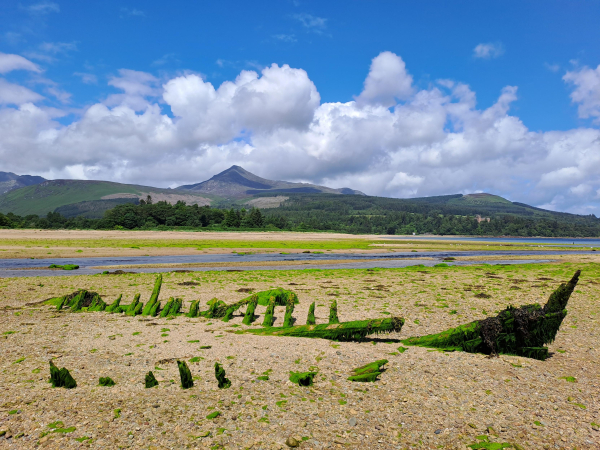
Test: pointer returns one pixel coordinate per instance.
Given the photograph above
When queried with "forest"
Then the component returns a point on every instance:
(352, 215)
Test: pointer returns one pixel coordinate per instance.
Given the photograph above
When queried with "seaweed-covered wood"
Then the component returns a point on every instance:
(193, 312)
(302, 378)
(115, 306)
(150, 380)
(97, 304)
(185, 375)
(333, 313)
(153, 297)
(368, 372)
(345, 331)
(61, 377)
(269, 319)
(281, 297)
(249, 317)
(216, 309)
(288, 320)
(131, 309)
(167, 309)
(520, 331)
(77, 302)
(106, 381)
(234, 307)
(310, 318)
(155, 309)
(222, 381)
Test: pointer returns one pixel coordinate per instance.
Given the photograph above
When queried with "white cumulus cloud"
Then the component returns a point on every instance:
(394, 140)
(10, 62)
(587, 91)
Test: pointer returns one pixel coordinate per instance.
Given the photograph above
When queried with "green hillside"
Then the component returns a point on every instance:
(50, 195)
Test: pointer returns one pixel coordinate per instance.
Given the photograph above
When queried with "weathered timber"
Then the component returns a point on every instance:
(345, 331)
(150, 380)
(520, 331)
(153, 297)
(249, 317)
(193, 312)
(185, 375)
(133, 305)
(310, 319)
(368, 372)
(333, 313)
(288, 320)
(269, 319)
(222, 381)
(115, 306)
(61, 377)
(281, 297)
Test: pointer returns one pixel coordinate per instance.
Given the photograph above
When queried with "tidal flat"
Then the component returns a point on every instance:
(425, 399)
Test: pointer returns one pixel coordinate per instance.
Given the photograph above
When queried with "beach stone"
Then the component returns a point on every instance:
(352, 421)
(291, 442)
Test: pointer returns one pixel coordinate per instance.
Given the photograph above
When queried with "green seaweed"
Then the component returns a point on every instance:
(155, 309)
(185, 375)
(368, 372)
(150, 380)
(310, 319)
(249, 317)
(345, 331)
(216, 309)
(64, 266)
(77, 302)
(147, 311)
(97, 304)
(288, 320)
(193, 312)
(281, 297)
(106, 381)
(130, 311)
(222, 381)
(61, 377)
(269, 319)
(333, 313)
(302, 378)
(520, 331)
(114, 306)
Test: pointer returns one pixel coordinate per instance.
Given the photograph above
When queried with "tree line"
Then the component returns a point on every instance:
(322, 215)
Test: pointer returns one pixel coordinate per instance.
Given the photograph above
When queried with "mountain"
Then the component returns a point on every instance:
(86, 197)
(236, 182)
(10, 181)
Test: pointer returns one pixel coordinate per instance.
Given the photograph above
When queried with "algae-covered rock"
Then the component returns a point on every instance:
(150, 380)
(520, 331)
(61, 377)
(310, 319)
(223, 382)
(302, 378)
(185, 375)
(249, 317)
(333, 313)
(269, 319)
(345, 331)
(106, 381)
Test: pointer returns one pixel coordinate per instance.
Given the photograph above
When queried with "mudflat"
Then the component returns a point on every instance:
(426, 398)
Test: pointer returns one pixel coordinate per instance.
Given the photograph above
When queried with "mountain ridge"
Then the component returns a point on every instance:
(237, 182)
(10, 181)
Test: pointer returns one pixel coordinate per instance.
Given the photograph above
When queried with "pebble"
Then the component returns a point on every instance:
(352, 421)
(291, 442)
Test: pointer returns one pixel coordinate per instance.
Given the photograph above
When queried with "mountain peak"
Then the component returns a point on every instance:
(237, 182)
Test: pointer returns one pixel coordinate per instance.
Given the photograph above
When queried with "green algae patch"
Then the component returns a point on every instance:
(213, 415)
(64, 266)
(310, 318)
(368, 372)
(302, 378)
(106, 381)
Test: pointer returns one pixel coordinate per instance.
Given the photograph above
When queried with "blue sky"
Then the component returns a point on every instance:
(85, 56)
